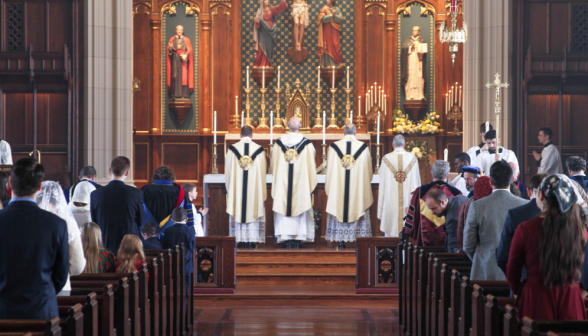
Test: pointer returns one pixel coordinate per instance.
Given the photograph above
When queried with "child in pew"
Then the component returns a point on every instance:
(151, 241)
(98, 259)
(130, 255)
(192, 192)
(181, 233)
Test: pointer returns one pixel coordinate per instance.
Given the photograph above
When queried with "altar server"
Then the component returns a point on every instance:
(5, 153)
(485, 158)
(482, 146)
(549, 161)
(461, 160)
(245, 180)
(399, 177)
(349, 189)
(294, 172)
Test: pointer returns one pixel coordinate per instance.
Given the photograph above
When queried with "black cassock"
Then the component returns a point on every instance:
(176, 88)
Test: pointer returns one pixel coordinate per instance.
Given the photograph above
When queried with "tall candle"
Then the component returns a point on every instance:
(487, 126)
(446, 103)
(378, 133)
(272, 124)
(366, 105)
(318, 79)
(451, 102)
(380, 97)
(371, 97)
(445, 154)
(237, 105)
(347, 77)
(324, 125)
(263, 77)
(248, 77)
(456, 93)
(214, 140)
(460, 102)
(450, 99)
(333, 84)
(385, 106)
(242, 118)
(351, 117)
(359, 105)
(279, 76)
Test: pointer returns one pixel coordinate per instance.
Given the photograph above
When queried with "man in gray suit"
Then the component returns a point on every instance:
(485, 222)
(440, 206)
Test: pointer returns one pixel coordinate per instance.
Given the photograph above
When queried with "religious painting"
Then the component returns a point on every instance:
(265, 32)
(329, 35)
(179, 93)
(416, 66)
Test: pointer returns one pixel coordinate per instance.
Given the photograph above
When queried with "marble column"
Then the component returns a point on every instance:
(108, 93)
(489, 50)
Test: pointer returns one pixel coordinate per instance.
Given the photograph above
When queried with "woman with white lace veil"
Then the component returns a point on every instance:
(51, 198)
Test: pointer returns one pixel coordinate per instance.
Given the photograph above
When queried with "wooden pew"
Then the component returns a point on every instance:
(122, 321)
(157, 284)
(105, 310)
(478, 298)
(400, 269)
(419, 280)
(494, 314)
(168, 308)
(512, 325)
(71, 320)
(178, 271)
(35, 327)
(466, 312)
(551, 333)
(89, 309)
(404, 290)
(536, 328)
(445, 291)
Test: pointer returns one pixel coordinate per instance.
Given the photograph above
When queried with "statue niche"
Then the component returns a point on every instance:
(298, 105)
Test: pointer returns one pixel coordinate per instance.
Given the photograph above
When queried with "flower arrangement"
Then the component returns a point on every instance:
(420, 149)
(403, 125)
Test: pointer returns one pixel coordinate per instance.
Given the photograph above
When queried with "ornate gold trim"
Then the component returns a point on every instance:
(376, 4)
(136, 8)
(192, 9)
(227, 7)
(425, 7)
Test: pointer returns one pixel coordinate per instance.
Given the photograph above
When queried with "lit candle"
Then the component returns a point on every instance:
(237, 106)
(318, 79)
(359, 105)
(263, 77)
(248, 77)
(446, 103)
(371, 97)
(272, 123)
(445, 154)
(351, 117)
(347, 77)
(378, 133)
(279, 76)
(333, 85)
(242, 118)
(452, 96)
(366, 104)
(214, 140)
(459, 101)
(380, 97)
(487, 126)
(385, 106)
(324, 125)
(456, 93)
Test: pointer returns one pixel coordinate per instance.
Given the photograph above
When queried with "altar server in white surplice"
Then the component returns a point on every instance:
(482, 146)
(349, 189)
(294, 172)
(549, 161)
(485, 158)
(245, 171)
(399, 177)
(5, 153)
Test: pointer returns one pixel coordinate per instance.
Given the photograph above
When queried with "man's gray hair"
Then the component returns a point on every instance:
(350, 129)
(87, 171)
(440, 170)
(398, 140)
(294, 124)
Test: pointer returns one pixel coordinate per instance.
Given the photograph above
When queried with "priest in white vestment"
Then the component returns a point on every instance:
(294, 172)
(461, 160)
(486, 158)
(245, 180)
(349, 189)
(399, 177)
(482, 146)
(549, 161)
(5, 153)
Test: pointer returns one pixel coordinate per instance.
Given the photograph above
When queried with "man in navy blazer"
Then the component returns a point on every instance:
(34, 251)
(117, 208)
(514, 218)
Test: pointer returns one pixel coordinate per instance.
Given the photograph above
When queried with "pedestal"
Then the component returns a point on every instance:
(327, 75)
(180, 106)
(257, 73)
(414, 108)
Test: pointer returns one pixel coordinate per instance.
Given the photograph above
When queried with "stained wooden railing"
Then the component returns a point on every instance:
(377, 265)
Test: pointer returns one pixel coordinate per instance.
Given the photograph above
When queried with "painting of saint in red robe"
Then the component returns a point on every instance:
(265, 32)
(180, 65)
(329, 39)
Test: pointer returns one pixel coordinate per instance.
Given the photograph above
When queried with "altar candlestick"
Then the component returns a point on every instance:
(385, 106)
(378, 133)
(279, 66)
(263, 77)
(272, 123)
(445, 154)
(214, 140)
(359, 105)
(237, 106)
(446, 103)
(371, 97)
(333, 83)
(351, 117)
(456, 93)
(347, 77)
(380, 97)
(487, 126)
(452, 96)
(242, 118)
(248, 77)
(366, 105)
(460, 102)
(318, 79)
(324, 125)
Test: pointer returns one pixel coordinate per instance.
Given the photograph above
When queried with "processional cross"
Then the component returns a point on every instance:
(497, 109)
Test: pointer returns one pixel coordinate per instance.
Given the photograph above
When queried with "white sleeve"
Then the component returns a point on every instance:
(6, 153)
(77, 261)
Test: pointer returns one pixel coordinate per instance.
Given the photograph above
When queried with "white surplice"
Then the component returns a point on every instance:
(550, 161)
(460, 183)
(485, 160)
(5, 153)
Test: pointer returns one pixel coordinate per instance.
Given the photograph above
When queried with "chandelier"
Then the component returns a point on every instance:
(453, 35)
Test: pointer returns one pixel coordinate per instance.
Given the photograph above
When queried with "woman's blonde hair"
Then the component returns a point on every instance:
(92, 244)
(130, 250)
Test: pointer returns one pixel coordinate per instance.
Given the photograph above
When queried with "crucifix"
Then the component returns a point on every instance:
(497, 109)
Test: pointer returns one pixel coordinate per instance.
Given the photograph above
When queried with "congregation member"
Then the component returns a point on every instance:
(80, 202)
(349, 189)
(576, 167)
(517, 183)
(421, 225)
(151, 240)
(117, 208)
(482, 146)
(515, 217)
(162, 196)
(399, 177)
(549, 161)
(4, 196)
(192, 192)
(442, 206)
(461, 160)
(486, 158)
(87, 174)
(294, 172)
(180, 233)
(470, 176)
(245, 181)
(485, 222)
(5, 153)
(482, 189)
(51, 198)
(33, 246)
(98, 259)
(130, 255)
(552, 247)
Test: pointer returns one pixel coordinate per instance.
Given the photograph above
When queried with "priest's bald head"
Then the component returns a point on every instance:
(350, 129)
(294, 124)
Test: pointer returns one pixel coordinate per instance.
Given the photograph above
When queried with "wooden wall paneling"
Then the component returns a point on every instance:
(390, 65)
(43, 129)
(559, 34)
(222, 54)
(538, 25)
(205, 66)
(142, 71)
(374, 45)
(55, 164)
(35, 25)
(57, 114)
(578, 120)
(235, 20)
(58, 25)
(155, 23)
(183, 158)
(141, 166)
(15, 115)
(360, 85)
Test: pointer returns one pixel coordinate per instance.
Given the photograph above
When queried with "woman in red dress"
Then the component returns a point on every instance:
(551, 247)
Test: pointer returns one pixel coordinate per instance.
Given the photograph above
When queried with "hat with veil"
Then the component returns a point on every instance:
(52, 199)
